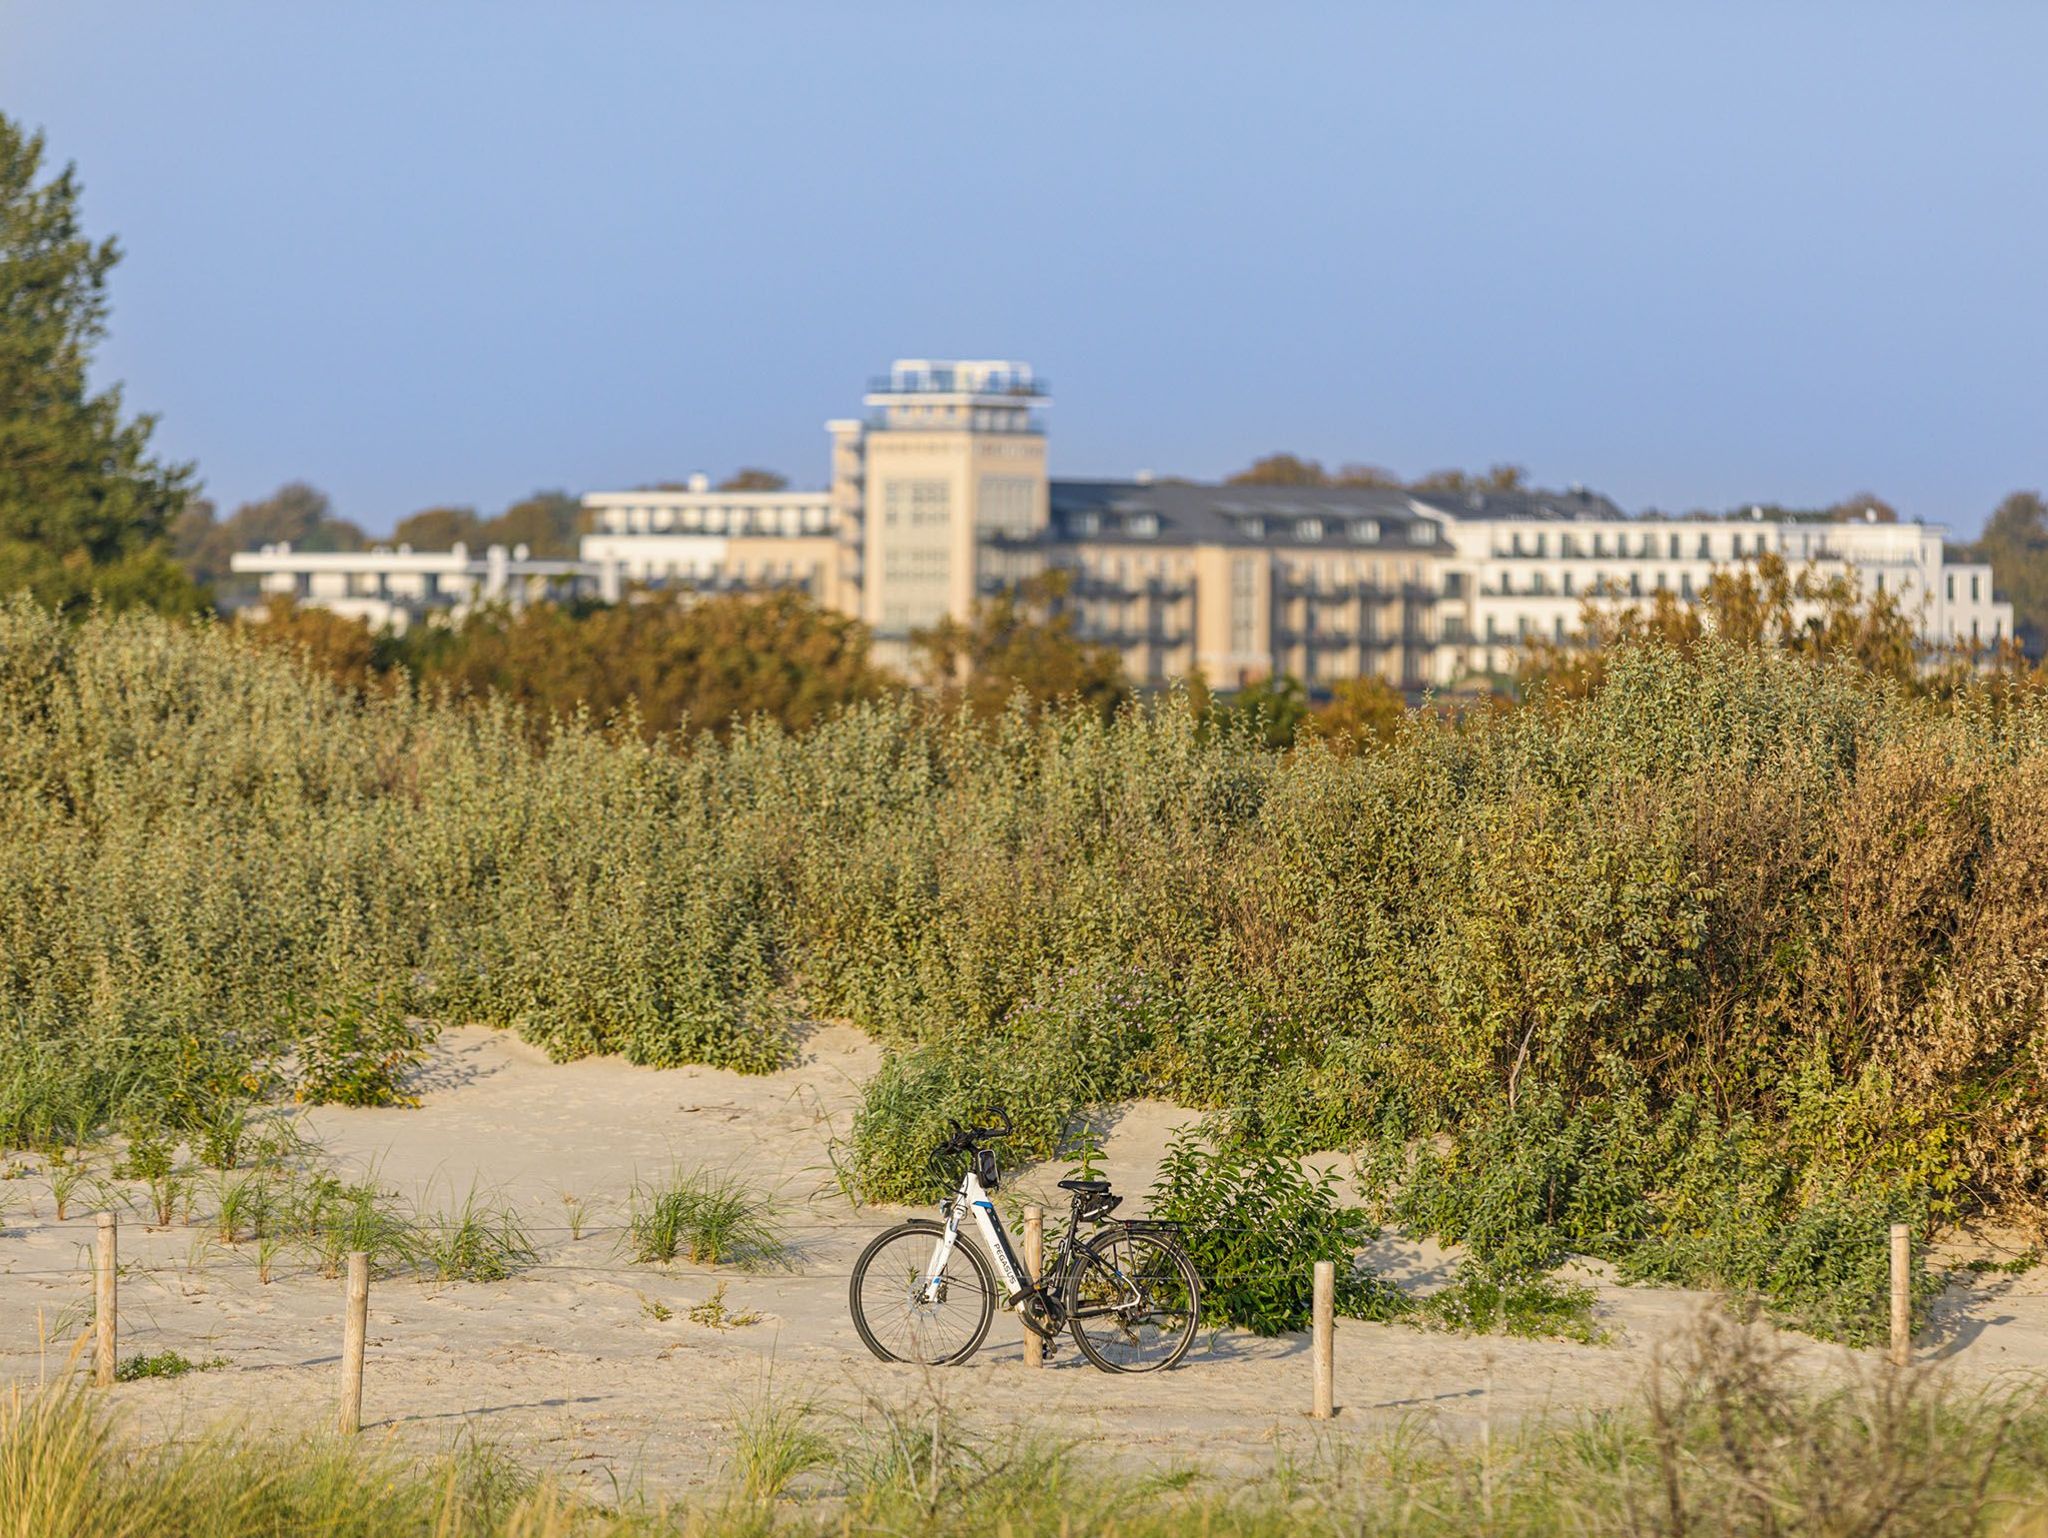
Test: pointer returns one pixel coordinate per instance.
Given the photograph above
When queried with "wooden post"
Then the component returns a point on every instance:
(1034, 1265)
(106, 1306)
(1902, 1295)
(1324, 1343)
(355, 1328)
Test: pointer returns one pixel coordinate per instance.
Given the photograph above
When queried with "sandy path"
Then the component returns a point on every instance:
(569, 1367)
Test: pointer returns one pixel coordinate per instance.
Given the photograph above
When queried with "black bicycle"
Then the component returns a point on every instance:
(922, 1292)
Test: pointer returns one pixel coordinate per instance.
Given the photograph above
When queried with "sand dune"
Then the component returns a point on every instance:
(572, 1365)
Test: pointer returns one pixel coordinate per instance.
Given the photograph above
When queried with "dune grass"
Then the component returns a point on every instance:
(1726, 1439)
(708, 1218)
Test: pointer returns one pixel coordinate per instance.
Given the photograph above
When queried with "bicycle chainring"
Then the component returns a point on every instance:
(1040, 1318)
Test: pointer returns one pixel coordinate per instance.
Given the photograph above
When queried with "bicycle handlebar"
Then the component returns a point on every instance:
(968, 1139)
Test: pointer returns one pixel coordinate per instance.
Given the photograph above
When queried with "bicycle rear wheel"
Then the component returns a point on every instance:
(897, 1321)
(1133, 1301)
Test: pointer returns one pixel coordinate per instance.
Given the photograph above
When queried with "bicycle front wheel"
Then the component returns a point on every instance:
(1133, 1301)
(901, 1319)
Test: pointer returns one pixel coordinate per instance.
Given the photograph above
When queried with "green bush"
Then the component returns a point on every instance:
(359, 1051)
(1780, 904)
(1077, 1045)
(1255, 1223)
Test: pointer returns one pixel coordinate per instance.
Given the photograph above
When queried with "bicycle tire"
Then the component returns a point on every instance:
(912, 1263)
(1164, 1295)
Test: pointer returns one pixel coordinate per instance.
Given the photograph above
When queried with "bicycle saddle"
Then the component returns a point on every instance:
(1085, 1187)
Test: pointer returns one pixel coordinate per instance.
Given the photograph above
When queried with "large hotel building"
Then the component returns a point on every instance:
(942, 495)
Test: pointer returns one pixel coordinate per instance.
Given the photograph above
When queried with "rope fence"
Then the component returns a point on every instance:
(106, 1272)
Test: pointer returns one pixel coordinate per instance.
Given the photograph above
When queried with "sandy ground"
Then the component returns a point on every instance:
(570, 1367)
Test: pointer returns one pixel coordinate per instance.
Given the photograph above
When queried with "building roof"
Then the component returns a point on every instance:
(1577, 503)
(1181, 513)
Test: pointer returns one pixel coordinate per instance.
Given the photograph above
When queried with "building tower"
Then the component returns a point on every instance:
(953, 492)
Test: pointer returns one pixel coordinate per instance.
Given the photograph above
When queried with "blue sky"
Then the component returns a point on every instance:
(450, 252)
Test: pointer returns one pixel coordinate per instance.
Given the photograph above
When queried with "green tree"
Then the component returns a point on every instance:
(1280, 470)
(546, 523)
(1274, 708)
(1377, 477)
(751, 478)
(1023, 639)
(706, 663)
(2015, 542)
(295, 512)
(84, 508)
(439, 528)
(1502, 477)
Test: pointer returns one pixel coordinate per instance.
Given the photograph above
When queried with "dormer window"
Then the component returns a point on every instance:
(1142, 525)
(1253, 528)
(1309, 528)
(1366, 531)
(1086, 524)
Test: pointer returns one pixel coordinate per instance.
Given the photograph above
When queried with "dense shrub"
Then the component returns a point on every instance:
(1076, 1046)
(1255, 1223)
(1785, 925)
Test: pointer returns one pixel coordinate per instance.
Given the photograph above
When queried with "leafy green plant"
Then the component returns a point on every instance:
(712, 1313)
(1255, 1224)
(359, 1050)
(707, 1218)
(164, 1364)
(151, 1158)
(1537, 1308)
(1072, 1047)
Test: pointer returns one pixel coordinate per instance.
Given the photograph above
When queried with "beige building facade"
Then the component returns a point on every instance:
(942, 496)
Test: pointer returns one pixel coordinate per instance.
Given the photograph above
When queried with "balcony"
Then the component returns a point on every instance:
(947, 382)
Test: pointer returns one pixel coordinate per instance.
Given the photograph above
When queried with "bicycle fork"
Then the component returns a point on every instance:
(974, 1198)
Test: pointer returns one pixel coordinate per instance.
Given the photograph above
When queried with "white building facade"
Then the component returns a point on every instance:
(1523, 577)
(390, 588)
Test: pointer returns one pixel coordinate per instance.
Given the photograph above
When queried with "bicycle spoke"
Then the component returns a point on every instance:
(1133, 1308)
(911, 1321)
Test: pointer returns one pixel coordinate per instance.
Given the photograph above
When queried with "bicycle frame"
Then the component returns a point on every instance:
(973, 1197)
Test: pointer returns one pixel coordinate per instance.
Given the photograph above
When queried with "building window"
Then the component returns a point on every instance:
(1244, 577)
(1674, 547)
(1951, 587)
(1706, 550)
(1308, 528)
(1366, 531)
(1975, 594)
(1008, 503)
(1685, 585)
(916, 504)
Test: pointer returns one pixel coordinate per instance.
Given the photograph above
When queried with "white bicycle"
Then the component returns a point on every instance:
(922, 1292)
